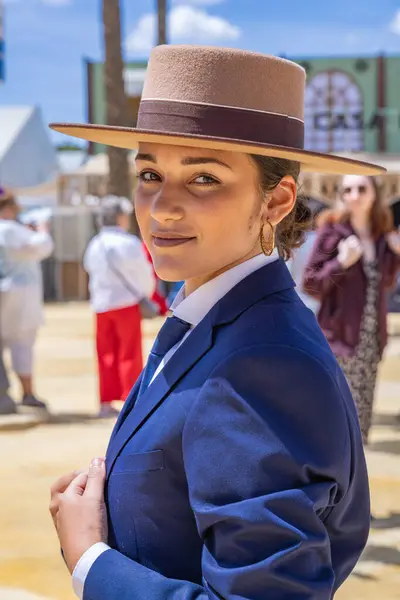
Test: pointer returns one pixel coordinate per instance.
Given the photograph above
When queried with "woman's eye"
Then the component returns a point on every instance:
(205, 180)
(148, 177)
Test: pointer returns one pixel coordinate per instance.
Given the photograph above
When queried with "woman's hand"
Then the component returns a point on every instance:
(393, 240)
(79, 512)
(350, 251)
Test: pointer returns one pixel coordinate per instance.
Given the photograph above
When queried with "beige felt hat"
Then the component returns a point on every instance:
(226, 99)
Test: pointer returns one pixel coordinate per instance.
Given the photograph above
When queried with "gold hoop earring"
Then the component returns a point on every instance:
(267, 248)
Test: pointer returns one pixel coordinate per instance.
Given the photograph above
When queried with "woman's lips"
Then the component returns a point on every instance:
(172, 241)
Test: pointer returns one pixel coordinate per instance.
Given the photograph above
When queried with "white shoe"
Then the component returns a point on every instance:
(31, 401)
(107, 412)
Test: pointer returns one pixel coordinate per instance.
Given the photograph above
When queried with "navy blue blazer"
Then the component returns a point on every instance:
(240, 474)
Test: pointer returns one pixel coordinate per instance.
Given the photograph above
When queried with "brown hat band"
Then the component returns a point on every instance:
(228, 122)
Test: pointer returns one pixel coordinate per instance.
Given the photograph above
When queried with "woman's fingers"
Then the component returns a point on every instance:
(59, 487)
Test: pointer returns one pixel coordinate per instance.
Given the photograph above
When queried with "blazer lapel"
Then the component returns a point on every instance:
(193, 348)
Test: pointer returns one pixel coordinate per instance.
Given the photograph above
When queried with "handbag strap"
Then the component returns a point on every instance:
(131, 289)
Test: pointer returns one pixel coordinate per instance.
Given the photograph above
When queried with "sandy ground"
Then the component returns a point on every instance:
(30, 564)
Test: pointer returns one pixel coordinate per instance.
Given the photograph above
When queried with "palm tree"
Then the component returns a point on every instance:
(119, 181)
(162, 20)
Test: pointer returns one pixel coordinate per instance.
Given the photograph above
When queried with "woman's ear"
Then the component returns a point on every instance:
(281, 200)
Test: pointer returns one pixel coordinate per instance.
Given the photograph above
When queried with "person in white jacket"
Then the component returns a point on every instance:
(300, 257)
(21, 291)
(119, 277)
(297, 265)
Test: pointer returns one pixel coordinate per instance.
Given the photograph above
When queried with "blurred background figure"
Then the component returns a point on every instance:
(174, 288)
(354, 262)
(7, 404)
(120, 276)
(159, 294)
(23, 248)
(298, 262)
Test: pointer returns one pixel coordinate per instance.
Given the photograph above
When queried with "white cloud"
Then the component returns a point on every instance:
(395, 24)
(184, 24)
(143, 36)
(187, 22)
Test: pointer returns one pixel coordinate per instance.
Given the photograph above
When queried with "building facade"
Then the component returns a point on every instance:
(353, 104)
(134, 75)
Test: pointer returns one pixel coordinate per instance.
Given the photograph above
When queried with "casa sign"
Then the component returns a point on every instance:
(334, 121)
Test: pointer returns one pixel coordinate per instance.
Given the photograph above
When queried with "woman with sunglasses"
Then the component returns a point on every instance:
(354, 262)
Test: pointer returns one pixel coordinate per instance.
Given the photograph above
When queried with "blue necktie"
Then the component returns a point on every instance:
(170, 334)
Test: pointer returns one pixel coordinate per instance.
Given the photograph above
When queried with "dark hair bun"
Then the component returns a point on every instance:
(291, 231)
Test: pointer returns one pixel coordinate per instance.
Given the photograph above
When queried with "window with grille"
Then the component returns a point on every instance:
(333, 113)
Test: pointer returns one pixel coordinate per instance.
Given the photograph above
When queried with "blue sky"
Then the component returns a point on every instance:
(47, 40)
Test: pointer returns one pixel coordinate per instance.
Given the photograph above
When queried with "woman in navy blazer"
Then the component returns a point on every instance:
(354, 262)
(236, 468)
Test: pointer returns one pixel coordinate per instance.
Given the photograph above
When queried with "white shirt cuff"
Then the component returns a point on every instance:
(84, 565)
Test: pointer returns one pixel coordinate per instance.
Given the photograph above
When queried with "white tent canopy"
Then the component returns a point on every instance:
(27, 155)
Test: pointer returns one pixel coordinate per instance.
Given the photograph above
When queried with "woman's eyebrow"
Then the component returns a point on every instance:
(188, 161)
(147, 157)
(202, 160)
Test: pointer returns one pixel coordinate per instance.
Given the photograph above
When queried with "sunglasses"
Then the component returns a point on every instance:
(360, 188)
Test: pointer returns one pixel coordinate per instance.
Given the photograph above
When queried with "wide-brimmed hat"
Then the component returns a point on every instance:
(225, 99)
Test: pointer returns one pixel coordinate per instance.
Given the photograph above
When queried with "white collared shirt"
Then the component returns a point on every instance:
(119, 273)
(195, 307)
(21, 251)
(191, 309)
